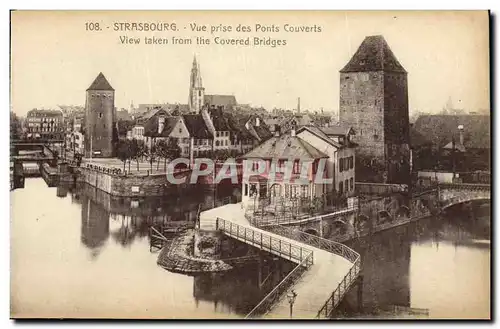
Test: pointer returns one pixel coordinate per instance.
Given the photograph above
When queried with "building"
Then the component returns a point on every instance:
(45, 124)
(100, 118)
(201, 140)
(305, 146)
(226, 102)
(196, 90)
(374, 102)
(218, 126)
(469, 132)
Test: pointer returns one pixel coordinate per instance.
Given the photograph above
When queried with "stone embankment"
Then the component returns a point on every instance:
(178, 256)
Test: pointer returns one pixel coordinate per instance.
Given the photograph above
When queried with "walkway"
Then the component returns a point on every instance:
(317, 284)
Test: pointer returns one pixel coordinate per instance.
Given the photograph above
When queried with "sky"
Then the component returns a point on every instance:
(54, 59)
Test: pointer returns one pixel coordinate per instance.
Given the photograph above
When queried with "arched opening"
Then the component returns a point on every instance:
(361, 222)
(339, 226)
(403, 212)
(312, 231)
(383, 217)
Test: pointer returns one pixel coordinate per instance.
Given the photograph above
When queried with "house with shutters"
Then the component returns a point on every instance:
(305, 147)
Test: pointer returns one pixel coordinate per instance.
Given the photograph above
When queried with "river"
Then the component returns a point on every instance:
(76, 252)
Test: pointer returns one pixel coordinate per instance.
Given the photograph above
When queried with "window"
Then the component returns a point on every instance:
(246, 189)
(341, 187)
(296, 167)
(346, 184)
(216, 134)
(100, 114)
(352, 162)
(351, 183)
(341, 165)
(180, 130)
(216, 143)
(255, 166)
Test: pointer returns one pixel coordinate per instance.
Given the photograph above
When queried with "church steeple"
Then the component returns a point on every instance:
(196, 90)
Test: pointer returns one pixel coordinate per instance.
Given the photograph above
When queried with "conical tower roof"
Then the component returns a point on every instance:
(374, 54)
(100, 83)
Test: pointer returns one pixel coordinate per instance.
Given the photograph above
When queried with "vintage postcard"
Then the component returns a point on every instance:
(250, 165)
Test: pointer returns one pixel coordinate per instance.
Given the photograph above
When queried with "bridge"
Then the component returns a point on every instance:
(40, 151)
(450, 194)
(325, 270)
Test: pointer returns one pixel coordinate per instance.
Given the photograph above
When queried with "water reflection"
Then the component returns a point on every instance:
(439, 264)
(78, 252)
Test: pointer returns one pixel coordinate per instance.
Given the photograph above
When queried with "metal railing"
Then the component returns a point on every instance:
(339, 293)
(277, 293)
(332, 247)
(264, 241)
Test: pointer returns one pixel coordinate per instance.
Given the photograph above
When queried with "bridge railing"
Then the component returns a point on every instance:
(265, 242)
(465, 186)
(277, 293)
(333, 247)
(339, 293)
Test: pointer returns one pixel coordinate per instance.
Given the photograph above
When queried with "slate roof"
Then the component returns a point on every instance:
(196, 126)
(417, 139)
(100, 83)
(219, 120)
(320, 134)
(51, 113)
(221, 100)
(440, 129)
(237, 126)
(336, 130)
(151, 127)
(148, 115)
(374, 54)
(458, 146)
(285, 147)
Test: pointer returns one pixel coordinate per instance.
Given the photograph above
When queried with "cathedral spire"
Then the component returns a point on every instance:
(196, 90)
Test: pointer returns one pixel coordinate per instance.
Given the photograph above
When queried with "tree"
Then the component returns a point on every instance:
(162, 152)
(123, 151)
(168, 150)
(173, 149)
(137, 150)
(151, 155)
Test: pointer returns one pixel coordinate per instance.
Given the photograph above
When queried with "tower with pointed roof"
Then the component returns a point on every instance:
(196, 90)
(99, 118)
(374, 101)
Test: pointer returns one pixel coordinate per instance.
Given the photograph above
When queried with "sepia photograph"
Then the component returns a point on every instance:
(243, 165)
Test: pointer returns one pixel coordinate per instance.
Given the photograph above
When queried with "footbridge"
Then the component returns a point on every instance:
(324, 273)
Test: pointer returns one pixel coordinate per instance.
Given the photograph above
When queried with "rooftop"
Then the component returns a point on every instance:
(374, 54)
(100, 83)
(285, 147)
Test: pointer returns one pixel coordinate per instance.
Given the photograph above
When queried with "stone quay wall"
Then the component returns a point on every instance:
(128, 186)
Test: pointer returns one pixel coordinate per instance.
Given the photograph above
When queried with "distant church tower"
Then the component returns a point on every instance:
(196, 90)
(99, 118)
(374, 101)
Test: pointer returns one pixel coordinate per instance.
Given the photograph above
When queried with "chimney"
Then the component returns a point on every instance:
(461, 132)
(298, 105)
(257, 121)
(161, 124)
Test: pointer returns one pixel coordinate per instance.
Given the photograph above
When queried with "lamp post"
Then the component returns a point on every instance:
(291, 299)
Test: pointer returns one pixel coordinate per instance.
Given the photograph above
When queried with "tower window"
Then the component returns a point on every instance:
(100, 115)
(199, 93)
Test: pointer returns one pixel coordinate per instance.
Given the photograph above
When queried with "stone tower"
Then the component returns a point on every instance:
(99, 118)
(374, 101)
(196, 90)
